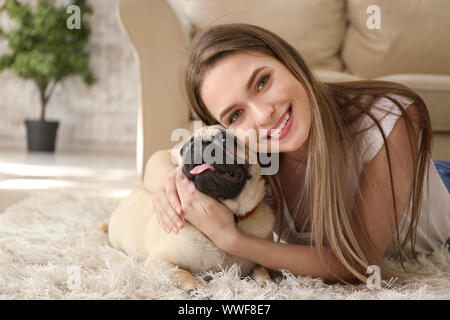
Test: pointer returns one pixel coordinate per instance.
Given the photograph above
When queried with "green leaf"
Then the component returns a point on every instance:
(6, 62)
(17, 11)
(43, 48)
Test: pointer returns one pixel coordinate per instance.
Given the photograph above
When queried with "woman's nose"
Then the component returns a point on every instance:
(264, 115)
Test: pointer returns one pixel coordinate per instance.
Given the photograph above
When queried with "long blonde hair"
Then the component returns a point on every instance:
(333, 145)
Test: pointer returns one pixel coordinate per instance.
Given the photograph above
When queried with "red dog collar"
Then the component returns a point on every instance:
(248, 214)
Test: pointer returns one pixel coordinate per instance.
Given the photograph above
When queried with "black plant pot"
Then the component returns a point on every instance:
(41, 135)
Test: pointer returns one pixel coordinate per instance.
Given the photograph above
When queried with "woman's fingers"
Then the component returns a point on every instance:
(163, 220)
(172, 193)
(175, 219)
(186, 191)
(166, 215)
(167, 201)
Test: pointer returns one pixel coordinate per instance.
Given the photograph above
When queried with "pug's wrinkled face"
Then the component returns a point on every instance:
(220, 166)
(210, 159)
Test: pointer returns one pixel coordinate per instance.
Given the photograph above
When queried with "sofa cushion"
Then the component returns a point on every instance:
(316, 28)
(334, 76)
(414, 38)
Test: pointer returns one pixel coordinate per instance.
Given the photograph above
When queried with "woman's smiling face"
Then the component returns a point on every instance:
(252, 91)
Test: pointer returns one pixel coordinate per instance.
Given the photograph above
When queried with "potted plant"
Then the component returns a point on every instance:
(45, 50)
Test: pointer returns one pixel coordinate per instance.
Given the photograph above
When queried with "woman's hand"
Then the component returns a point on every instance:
(205, 213)
(167, 205)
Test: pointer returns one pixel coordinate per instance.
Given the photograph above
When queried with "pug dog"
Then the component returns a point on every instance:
(134, 228)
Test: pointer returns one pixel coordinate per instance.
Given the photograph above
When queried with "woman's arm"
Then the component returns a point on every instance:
(157, 169)
(298, 259)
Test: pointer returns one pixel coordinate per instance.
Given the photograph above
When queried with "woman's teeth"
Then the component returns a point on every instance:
(277, 131)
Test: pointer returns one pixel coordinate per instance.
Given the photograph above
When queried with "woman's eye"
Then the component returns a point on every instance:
(263, 80)
(234, 116)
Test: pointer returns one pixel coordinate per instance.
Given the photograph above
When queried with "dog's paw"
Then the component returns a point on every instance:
(264, 282)
(261, 276)
(190, 285)
(186, 280)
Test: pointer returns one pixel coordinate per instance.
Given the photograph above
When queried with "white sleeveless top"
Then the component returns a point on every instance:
(433, 227)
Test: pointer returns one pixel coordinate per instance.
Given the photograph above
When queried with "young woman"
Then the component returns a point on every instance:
(355, 180)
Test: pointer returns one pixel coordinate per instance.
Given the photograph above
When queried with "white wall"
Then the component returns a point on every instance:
(103, 115)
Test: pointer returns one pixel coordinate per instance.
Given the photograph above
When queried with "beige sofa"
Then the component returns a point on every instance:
(335, 37)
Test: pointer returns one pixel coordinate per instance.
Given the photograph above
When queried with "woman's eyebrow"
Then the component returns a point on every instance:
(249, 84)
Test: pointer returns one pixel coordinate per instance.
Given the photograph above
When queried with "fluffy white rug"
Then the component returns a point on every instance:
(51, 248)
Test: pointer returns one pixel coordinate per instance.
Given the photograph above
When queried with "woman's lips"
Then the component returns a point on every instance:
(279, 122)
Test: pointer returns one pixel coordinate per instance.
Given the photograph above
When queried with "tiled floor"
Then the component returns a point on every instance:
(104, 172)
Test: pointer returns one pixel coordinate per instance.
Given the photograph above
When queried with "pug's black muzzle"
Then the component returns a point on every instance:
(227, 179)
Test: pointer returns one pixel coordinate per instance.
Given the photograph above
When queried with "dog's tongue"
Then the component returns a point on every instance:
(200, 168)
